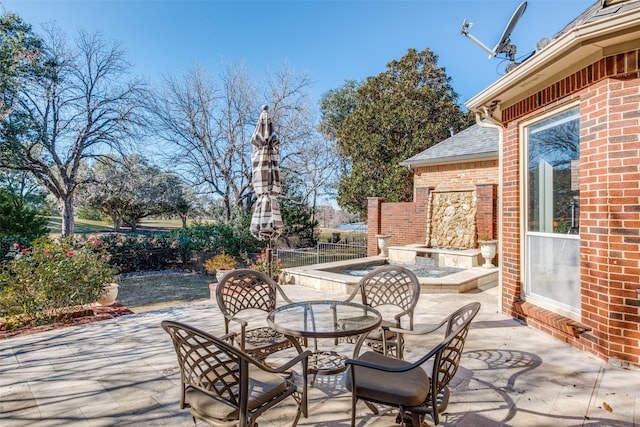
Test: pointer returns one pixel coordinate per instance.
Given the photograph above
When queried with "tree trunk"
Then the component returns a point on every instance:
(67, 215)
(117, 223)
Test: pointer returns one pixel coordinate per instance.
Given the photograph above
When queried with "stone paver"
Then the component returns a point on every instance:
(123, 372)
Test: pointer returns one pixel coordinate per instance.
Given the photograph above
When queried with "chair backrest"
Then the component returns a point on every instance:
(391, 285)
(208, 363)
(447, 359)
(244, 289)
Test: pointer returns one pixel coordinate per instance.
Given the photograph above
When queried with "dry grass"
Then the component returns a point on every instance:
(153, 291)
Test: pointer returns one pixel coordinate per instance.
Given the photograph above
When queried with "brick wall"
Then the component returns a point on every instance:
(408, 222)
(487, 211)
(609, 95)
(459, 176)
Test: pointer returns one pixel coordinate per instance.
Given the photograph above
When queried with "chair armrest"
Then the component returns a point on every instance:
(285, 367)
(423, 331)
(230, 337)
(399, 316)
(282, 294)
(356, 291)
(385, 368)
(243, 323)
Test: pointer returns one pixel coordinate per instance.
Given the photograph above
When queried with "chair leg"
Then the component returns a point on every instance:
(416, 420)
(354, 400)
(372, 407)
(295, 421)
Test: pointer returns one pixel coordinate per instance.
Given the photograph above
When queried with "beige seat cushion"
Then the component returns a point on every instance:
(409, 388)
(376, 335)
(263, 386)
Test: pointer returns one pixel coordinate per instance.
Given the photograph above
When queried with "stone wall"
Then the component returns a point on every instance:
(453, 220)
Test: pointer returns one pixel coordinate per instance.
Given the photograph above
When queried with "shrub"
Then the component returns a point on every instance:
(18, 220)
(262, 264)
(38, 282)
(220, 262)
(141, 253)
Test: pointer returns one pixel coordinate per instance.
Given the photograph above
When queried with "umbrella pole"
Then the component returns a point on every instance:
(269, 259)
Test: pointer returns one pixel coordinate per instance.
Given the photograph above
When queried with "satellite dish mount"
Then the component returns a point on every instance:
(504, 44)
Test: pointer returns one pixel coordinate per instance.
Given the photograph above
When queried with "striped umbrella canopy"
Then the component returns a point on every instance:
(266, 221)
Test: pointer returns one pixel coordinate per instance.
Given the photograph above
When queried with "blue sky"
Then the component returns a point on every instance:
(332, 41)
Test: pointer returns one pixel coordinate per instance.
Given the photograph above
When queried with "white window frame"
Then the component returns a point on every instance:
(524, 213)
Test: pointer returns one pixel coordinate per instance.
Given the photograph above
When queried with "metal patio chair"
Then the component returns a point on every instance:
(376, 378)
(395, 287)
(224, 386)
(243, 290)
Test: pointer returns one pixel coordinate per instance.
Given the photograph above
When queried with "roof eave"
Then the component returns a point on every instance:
(465, 158)
(579, 46)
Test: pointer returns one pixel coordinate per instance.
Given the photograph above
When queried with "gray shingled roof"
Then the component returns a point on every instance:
(473, 143)
(598, 11)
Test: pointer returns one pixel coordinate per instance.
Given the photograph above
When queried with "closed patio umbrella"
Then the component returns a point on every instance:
(266, 221)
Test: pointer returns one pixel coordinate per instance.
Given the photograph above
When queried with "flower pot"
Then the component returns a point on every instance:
(383, 243)
(109, 298)
(488, 251)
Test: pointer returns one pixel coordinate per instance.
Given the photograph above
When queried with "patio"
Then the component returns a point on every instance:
(124, 372)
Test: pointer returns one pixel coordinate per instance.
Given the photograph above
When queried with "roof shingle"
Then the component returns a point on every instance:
(473, 143)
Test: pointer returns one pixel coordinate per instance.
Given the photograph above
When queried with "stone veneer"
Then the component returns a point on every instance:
(453, 220)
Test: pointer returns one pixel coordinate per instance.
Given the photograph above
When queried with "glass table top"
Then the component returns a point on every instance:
(318, 319)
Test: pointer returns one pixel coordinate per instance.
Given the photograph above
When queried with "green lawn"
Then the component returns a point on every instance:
(82, 226)
(87, 226)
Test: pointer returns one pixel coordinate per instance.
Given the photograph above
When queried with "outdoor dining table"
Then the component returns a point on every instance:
(324, 319)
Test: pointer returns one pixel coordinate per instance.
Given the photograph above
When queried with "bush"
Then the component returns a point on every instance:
(38, 282)
(141, 253)
(19, 220)
(220, 262)
(233, 238)
(261, 264)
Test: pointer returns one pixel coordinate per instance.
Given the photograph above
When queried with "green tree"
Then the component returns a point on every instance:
(19, 220)
(398, 113)
(335, 107)
(19, 50)
(131, 189)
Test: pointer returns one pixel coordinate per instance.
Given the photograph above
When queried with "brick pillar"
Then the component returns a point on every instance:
(422, 199)
(486, 211)
(374, 224)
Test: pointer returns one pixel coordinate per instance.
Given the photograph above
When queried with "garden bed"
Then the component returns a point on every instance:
(138, 293)
(77, 317)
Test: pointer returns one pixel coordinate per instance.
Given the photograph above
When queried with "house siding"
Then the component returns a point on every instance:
(608, 92)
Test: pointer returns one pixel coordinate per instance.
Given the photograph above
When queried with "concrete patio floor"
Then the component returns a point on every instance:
(123, 372)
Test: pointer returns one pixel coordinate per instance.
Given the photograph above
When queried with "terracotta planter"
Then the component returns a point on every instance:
(109, 298)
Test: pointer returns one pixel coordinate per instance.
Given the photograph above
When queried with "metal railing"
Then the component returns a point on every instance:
(323, 252)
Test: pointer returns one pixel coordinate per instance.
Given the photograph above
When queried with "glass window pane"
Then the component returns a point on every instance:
(553, 174)
(553, 272)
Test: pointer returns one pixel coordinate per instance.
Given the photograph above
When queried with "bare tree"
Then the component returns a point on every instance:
(80, 106)
(210, 122)
(317, 163)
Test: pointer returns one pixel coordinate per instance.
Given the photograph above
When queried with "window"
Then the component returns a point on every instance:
(552, 210)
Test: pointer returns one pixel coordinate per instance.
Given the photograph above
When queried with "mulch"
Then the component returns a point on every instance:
(80, 317)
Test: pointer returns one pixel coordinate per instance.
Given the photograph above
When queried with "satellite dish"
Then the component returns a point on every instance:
(504, 43)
